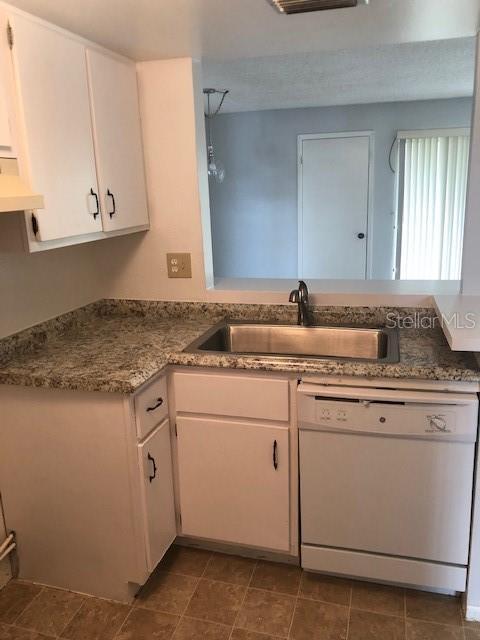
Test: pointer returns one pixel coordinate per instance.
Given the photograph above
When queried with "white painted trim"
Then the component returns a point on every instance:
(470, 258)
(459, 311)
(371, 194)
(35, 246)
(434, 133)
(472, 613)
(397, 287)
(370, 205)
(396, 244)
(335, 134)
(300, 140)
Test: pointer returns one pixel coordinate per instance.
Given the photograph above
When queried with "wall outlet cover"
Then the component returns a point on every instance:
(179, 265)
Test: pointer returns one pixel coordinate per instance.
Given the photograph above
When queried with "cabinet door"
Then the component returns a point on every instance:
(5, 88)
(157, 487)
(52, 87)
(230, 489)
(118, 141)
(5, 569)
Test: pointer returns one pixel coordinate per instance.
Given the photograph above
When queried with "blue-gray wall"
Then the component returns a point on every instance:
(254, 211)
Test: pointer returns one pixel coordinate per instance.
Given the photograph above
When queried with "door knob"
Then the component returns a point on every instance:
(360, 236)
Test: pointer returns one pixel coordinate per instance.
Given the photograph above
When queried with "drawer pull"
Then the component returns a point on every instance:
(152, 460)
(156, 405)
(275, 455)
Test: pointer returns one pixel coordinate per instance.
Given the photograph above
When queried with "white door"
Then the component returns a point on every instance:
(333, 206)
(234, 481)
(118, 141)
(52, 83)
(157, 482)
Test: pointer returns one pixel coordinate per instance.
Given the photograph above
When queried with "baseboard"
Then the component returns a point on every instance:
(472, 613)
(238, 550)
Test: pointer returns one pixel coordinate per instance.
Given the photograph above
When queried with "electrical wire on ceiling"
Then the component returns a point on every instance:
(215, 168)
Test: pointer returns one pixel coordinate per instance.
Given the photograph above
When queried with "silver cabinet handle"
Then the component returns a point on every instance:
(158, 403)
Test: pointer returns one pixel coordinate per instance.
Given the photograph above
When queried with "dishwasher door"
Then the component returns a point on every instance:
(387, 472)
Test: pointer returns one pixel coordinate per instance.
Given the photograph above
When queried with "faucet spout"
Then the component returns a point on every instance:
(300, 296)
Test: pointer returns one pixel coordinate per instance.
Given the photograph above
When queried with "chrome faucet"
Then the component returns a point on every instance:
(300, 297)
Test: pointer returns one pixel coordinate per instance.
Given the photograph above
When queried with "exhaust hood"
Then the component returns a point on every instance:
(15, 194)
(305, 6)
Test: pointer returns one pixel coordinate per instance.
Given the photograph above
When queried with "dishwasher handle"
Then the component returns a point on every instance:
(327, 392)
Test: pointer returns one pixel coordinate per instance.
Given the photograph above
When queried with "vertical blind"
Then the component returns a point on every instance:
(432, 190)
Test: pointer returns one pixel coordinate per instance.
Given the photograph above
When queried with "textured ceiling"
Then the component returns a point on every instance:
(231, 29)
(415, 71)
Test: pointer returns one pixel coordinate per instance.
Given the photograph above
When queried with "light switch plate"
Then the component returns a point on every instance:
(179, 265)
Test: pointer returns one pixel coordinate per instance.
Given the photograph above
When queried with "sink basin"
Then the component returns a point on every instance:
(377, 345)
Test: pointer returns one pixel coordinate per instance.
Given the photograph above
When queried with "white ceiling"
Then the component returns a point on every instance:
(231, 29)
(388, 73)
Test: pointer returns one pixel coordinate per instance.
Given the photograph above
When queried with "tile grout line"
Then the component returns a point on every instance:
(59, 635)
(248, 587)
(42, 589)
(349, 610)
(182, 615)
(132, 607)
(243, 599)
(296, 603)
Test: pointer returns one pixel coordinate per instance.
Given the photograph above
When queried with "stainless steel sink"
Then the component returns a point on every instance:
(377, 345)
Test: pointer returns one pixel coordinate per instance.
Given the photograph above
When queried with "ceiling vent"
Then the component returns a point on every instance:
(306, 6)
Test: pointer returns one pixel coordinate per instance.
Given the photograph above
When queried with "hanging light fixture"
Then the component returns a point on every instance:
(215, 168)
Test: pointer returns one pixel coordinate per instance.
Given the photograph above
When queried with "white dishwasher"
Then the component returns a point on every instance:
(386, 478)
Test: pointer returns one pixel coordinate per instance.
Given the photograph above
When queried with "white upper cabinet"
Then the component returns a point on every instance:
(75, 126)
(5, 133)
(52, 91)
(5, 127)
(118, 141)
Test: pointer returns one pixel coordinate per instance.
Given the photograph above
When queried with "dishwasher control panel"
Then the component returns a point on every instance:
(392, 414)
(329, 413)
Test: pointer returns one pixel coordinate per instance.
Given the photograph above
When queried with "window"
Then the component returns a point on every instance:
(431, 188)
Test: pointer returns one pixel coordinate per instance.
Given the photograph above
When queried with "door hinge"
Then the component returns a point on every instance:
(34, 224)
(10, 35)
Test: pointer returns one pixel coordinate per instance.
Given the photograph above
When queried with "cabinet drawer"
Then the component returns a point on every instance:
(236, 396)
(151, 406)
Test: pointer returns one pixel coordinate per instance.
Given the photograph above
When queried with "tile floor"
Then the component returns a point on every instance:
(198, 595)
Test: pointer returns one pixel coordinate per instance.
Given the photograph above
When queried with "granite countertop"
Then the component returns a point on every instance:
(117, 346)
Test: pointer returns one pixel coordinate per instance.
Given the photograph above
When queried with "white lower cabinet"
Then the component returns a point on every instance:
(157, 489)
(234, 481)
(91, 503)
